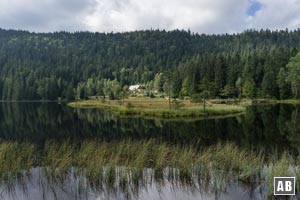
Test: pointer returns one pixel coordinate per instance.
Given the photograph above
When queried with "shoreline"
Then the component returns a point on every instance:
(156, 109)
(159, 108)
(35, 101)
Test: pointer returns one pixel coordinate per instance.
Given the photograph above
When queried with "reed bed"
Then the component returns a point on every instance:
(15, 159)
(127, 162)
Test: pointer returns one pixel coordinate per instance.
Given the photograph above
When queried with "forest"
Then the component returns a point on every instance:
(68, 66)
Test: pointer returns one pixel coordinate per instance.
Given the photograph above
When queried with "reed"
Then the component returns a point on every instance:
(280, 165)
(126, 162)
(15, 159)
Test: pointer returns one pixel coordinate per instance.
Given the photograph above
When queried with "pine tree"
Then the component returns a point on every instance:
(293, 76)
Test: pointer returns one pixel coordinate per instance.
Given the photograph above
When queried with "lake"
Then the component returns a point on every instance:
(268, 127)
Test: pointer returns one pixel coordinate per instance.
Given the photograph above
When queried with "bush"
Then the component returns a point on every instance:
(151, 95)
(177, 104)
(196, 98)
(129, 105)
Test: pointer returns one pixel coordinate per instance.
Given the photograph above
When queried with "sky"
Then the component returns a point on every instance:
(199, 16)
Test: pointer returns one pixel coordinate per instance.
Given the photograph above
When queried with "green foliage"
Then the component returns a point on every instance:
(283, 85)
(129, 105)
(294, 75)
(158, 83)
(208, 87)
(248, 89)
(239, 86)
(196, 98)
(176, 104)
(269, 84)
(228, 91)
(70, 93)
(151, 95)
(43, 66)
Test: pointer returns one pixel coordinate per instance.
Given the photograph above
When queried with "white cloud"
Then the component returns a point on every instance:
(277, 14)
(202, 16)
(198, 15)
(44, 15)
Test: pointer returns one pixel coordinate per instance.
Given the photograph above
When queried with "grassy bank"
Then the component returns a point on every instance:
(160, 107)
(98, 161)
(249, 102)
(288, 101)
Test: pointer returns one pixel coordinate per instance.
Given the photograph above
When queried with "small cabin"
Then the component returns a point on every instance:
(134, 88)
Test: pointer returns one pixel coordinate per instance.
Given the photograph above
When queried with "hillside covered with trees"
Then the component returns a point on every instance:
(62, 65)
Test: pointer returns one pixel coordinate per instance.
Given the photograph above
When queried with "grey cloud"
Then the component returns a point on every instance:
(45, 15)
(203, 16)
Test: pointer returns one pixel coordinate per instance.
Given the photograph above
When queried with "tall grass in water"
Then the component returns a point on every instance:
(231, 158)
(280, 165)
(15, 159)
(57, 157)
(127, 162)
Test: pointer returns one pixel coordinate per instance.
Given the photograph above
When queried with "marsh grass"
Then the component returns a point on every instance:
(280, 165)
(127, 162)
(16, 159)
(231, 158)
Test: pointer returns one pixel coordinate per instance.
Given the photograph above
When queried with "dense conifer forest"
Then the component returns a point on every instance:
(62, 65)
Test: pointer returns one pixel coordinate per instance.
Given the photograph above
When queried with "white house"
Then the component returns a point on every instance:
(134, 88)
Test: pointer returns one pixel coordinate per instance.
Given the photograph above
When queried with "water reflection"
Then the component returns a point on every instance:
(268, 127)
(39, 185)
(262, 126)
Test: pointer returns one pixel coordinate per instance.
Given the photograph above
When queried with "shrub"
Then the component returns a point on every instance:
(151, 95)
(196, 98)
(129, 105)
(177, 104)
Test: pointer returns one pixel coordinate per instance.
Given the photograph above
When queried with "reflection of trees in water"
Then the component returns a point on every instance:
(293, 129)
(33, 121)
(261, 126)
(268, 127)
(37, 122)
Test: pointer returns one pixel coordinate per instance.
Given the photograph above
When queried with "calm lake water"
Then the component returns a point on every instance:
(273, 128)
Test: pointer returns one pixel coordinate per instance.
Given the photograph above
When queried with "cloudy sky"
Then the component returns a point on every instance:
(202, 16)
